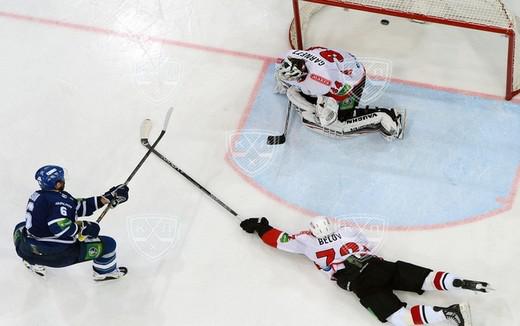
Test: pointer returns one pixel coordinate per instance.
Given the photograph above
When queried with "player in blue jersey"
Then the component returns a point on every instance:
(53, 236)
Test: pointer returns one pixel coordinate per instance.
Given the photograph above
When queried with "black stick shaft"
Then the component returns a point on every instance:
(287, 118)
(167, 119)
(145, 142)
(280, 139)
(145, 157)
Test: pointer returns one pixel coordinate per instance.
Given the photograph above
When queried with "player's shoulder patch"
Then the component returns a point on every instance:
(284, 238)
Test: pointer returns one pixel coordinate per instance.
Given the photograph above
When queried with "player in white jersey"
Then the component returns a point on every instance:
(344, 254)
(326, 86)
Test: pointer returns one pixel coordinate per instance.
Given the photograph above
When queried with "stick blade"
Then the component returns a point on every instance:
(167, 118)
(275, 140)
(146, 127)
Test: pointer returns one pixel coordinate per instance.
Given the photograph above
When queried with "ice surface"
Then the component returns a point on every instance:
(79, 77)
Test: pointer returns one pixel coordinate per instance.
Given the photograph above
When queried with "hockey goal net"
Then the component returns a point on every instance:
(483, 15)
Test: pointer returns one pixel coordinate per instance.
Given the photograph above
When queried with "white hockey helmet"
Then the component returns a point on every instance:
(291, 69)
(321, 226)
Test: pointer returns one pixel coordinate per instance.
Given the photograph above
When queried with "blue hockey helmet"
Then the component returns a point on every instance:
(48, 175)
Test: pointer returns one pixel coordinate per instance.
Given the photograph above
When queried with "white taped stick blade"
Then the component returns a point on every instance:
(167, 119)
(146, 127)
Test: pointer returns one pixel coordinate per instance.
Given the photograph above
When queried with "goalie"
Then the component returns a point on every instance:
(325, 86)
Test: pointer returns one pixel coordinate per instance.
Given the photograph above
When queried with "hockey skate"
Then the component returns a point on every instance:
(397, 132)
(117, 273)
(36, 269)
(476, 286)
(401, 123)
(457, 314)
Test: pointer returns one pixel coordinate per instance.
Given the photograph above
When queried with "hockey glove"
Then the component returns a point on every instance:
(87, 229)
(117, 195)
(258, 225)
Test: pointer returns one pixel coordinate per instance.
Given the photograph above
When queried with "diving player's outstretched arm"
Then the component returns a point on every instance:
(272, 236)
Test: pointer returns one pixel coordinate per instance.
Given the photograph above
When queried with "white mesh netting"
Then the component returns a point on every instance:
(516, 57)
(492, 13)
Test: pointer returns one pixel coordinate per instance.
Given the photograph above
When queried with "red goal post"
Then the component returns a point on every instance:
(484, 15)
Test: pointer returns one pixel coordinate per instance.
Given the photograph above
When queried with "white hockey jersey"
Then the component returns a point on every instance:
(329, 253)
(332, 73)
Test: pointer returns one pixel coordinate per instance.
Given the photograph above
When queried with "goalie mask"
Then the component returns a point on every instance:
(292, 69)
(321, 226)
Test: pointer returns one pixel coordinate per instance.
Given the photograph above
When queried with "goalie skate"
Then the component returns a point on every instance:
(401, 123)
(399, 117)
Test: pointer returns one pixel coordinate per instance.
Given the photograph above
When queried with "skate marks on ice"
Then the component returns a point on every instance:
(458, 163)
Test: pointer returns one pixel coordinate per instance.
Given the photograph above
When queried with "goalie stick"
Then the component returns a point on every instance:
(144, 140)
(145, 128)
(278, 140)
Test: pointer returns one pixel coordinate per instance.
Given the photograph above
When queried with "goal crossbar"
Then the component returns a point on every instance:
(507, 28)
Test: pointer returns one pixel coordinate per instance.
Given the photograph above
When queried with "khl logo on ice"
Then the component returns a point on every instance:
(153, 236)
(373, 228)
(379, 73)
(250, 152)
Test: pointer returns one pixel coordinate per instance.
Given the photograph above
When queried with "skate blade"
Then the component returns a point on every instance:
(100, 278)
(403, 124)
(466, 313)
(484, 289)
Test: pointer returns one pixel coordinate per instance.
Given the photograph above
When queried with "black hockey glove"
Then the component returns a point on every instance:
(258, 225)
(88, 229)
(117, 195)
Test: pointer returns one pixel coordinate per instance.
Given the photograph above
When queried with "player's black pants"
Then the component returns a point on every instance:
(59, 255)
(375, 284)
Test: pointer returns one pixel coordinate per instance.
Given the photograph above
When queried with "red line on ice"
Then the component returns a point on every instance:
(233, 53)
(99, 30)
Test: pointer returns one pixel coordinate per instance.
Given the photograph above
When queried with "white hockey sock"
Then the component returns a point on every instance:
(417, 315)
(439, 281)
(426, 315)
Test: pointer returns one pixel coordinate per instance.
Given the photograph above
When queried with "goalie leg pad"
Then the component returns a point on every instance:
(367, 121)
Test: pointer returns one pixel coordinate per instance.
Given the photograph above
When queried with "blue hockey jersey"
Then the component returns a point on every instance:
(51, 215)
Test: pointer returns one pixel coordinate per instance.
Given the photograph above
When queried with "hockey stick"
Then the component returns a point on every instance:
(278, 140)
(145, 128)
(145, 142)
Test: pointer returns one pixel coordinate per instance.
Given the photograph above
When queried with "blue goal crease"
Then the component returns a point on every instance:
(459, 155)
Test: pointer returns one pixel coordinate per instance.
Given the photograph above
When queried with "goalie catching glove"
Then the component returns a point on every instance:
(117, 195)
